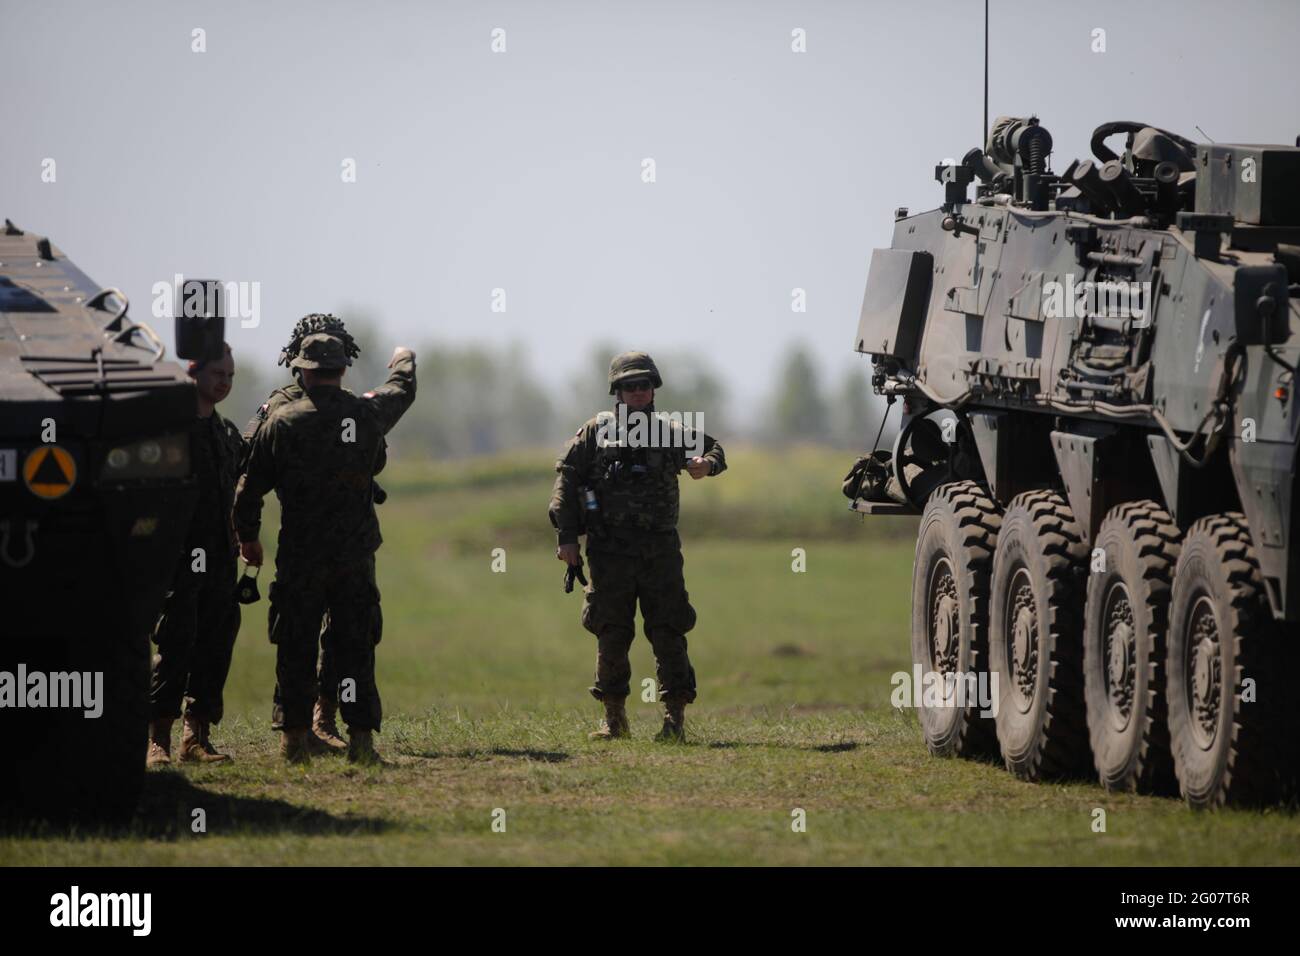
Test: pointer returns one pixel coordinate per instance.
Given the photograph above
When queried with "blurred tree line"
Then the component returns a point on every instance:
(478, 399)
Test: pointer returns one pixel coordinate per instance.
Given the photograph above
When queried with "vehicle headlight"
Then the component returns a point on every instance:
(167, 456)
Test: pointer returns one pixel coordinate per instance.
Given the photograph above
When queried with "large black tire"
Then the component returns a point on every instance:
(70, 768)
(950, 589)
(1126, 619)
(1036, 638)
(116, 774)
(1227, 749)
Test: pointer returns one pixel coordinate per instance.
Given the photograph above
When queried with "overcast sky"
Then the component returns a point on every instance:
(522, 170)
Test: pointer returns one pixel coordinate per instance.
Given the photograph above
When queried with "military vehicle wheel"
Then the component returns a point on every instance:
(950, 590)
(73, 768)
(1126, 618)
(115, 774)
(1228, 737)
(1036, 638)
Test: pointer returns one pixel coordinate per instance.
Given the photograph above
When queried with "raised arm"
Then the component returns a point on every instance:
(394, 397)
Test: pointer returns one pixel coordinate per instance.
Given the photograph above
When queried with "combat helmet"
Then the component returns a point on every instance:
(627, 365)
(314, 324)
(321, 351)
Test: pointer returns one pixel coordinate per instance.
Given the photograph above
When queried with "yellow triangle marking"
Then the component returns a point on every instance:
(49, 472)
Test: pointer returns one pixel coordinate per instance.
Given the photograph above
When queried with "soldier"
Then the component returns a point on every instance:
(622, 490)
(200, 619)
(319, 454)
(325, 731)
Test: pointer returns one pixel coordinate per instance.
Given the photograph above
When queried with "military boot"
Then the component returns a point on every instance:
(361, 748)
(195, 746)
(325, 738)
(615, 724)
(293, 745)
(160, 743)
(674, 730)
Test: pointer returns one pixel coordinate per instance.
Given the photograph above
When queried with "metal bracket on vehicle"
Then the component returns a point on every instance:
(29, 545)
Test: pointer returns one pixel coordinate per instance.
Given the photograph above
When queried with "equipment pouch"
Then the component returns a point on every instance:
(868, 477)
(853, 480)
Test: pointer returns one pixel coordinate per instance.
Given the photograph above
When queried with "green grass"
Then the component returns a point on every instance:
(484, 680)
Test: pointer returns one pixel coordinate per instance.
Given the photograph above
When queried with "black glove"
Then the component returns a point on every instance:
(574, 571)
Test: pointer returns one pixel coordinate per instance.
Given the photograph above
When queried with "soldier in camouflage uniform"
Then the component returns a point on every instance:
(325, 732)
(319, 454)
(200, 619)
(633, 547)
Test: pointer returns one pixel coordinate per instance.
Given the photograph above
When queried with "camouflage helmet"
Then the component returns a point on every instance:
(314, 324)
(322, 351)
(627, 365)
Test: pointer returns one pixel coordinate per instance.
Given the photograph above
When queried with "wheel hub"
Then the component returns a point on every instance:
(945, 626)
(1203, 674)
(1121, 655)
(1022, 618)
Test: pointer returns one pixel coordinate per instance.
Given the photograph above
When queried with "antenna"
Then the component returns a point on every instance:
(1205, 134)
(985, 131)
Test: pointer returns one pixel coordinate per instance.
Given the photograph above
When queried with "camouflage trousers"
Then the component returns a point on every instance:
(623, 571)
(195, 635)
(304, 591)
(327, 682)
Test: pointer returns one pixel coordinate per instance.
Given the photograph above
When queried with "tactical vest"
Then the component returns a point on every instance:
(637, 487)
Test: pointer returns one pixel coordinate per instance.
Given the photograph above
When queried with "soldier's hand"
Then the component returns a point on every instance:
(569, 554)
(699, 467)
(398, 353)
(251, 552)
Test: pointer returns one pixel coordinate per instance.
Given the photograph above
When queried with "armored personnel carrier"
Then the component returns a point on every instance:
(1099, 433)
(96, 491)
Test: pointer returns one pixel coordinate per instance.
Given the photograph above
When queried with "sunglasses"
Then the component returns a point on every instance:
(636, 385)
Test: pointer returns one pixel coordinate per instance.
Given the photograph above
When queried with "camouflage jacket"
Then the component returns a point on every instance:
(283, 396)
(636, 487)
(217, 451)
(319, 454)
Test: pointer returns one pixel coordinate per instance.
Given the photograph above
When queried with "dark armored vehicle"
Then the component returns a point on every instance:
(95, 495)
(1099, 432)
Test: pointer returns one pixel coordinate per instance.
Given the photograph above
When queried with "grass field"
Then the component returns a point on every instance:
(484, 680)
